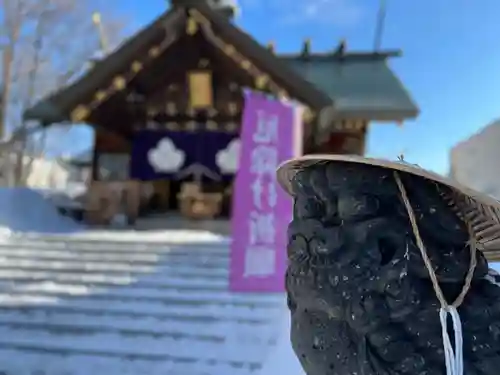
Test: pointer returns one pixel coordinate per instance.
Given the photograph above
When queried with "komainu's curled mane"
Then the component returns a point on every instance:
(361, 299)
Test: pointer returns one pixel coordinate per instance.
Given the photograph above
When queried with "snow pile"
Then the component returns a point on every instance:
(25, 210)
(59, 199)
(47, 174)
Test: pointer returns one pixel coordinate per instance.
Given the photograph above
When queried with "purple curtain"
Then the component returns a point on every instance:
(189, 149)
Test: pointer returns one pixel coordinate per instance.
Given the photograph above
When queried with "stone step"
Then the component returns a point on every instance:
(8, 279)
(174, 281)
(89, 302)
(164, 348)
(173, 251)
(147, 291)
(135, 243)
(133, 314)
(50, 362)
(137, 258)
(112, 296)
(167, 268)
(228, 331)
(80, 306)
(131, 350)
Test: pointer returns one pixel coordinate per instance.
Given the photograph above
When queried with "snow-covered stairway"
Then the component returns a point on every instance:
(90, 306)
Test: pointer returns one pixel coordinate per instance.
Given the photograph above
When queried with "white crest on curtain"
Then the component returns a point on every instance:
(228, 159)
(166, 157)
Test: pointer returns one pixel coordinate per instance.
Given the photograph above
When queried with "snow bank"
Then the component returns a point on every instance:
(25, 210)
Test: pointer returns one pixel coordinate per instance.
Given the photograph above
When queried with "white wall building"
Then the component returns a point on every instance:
(475, 162)
(43, 173)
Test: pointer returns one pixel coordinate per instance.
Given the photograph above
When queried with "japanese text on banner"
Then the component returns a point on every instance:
(260, 254)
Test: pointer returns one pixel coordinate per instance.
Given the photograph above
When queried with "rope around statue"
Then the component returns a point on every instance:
(453, 358)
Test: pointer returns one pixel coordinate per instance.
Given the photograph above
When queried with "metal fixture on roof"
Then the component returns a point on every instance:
(230, 7)
(103, 41)
(306, 47)
(341, 48)
(223, 3)
(379, 26)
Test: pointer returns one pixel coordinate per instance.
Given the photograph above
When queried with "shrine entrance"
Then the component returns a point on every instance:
(191, 172)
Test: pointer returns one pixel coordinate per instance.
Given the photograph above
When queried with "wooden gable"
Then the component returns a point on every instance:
(80, 100)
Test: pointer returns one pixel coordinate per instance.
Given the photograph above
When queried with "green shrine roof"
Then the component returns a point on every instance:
(359, 85)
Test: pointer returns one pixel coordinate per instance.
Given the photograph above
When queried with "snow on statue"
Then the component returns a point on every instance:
(380, 255)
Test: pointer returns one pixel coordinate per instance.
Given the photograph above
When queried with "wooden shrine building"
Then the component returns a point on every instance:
(173, 93)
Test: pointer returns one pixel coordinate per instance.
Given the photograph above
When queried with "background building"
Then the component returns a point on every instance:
(475, 162)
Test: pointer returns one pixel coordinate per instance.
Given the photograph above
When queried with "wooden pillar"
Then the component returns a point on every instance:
(345, 137)
(95, 160)
(162, 189)
(364, 134)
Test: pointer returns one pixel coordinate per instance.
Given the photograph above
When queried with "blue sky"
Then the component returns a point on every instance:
(450, 63)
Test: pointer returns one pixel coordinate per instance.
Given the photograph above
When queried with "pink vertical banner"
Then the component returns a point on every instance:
(271, 133)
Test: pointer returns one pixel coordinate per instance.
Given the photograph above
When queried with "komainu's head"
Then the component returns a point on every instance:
(360, 296)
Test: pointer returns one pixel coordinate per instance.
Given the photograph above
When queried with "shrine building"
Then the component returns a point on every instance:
(166, 108)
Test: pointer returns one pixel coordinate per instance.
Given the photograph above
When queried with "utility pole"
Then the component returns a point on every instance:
(379, 25)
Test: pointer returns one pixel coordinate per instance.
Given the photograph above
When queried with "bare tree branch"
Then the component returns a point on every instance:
(44, 45)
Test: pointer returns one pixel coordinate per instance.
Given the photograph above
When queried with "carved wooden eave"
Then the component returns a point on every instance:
(303, 90)
(350, 125)
(78, 100)
(120, 82)
(109, 77)
(341, 125)
(262, 80)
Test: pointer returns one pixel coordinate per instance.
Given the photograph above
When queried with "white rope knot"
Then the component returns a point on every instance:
(454, 359)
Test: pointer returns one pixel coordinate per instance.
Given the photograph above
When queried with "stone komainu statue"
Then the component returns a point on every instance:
(360, 295)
